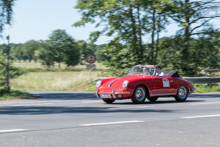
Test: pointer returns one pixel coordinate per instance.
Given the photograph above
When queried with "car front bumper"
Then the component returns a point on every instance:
(114, 94)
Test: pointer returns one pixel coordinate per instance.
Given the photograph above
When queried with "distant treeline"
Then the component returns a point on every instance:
(60, 47)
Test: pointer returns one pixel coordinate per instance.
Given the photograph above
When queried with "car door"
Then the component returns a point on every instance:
(162, 86)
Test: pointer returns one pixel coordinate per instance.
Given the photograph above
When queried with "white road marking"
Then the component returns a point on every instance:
(206, 103)
(13, 130)
(112, 123)
(203, 116)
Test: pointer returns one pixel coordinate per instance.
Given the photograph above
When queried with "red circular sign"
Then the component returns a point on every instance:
(90, 58)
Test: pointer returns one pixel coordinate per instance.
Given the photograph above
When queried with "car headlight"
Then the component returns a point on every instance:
(98, 83)
(125, 84)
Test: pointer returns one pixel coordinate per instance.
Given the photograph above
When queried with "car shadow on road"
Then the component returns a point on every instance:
(204, 95)
(157, 102)
(66, 96)
(90, 96)
(28, 110)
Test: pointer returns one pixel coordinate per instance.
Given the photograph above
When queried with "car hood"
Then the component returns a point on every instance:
(117, 82)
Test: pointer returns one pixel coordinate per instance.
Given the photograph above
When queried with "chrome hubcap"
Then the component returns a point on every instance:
(182, 92)
(140, 94)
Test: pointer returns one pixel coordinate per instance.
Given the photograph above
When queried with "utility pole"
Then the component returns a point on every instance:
(8, 68)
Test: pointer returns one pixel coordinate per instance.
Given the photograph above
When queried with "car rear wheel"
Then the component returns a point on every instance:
(182, 94)
(152, 99)
(139, 95)
(108, 101)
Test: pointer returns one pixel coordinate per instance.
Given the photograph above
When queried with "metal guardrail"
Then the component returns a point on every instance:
(210, 70)
(202, 79)
(190, 79)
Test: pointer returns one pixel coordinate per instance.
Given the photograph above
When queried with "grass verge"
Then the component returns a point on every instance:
(16, 95)
(55, 81)
(211, 87)
(68, 69)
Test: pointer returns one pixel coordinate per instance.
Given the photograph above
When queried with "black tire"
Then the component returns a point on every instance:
(182, 94)
(139, 95)
(152, 99)
(108, 101)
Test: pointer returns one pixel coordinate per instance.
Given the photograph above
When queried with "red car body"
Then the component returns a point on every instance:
(154, 86)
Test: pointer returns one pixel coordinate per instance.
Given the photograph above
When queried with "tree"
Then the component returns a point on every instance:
(16, 52)
(71, 52)
(102, 53)
(157, 21)
(28, 49)
(85, 50)
(64, 48)
(128, 22)
(192, 16)
(3, 48)
(6, 13)
(203, 52)
(45, 54)
(123, 19)
(14, 73)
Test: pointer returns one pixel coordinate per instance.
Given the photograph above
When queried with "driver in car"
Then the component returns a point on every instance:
(145, 71)
(160, 73)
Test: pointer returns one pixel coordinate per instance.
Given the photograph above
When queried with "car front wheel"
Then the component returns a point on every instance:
(182, 94)
(108, 101)
(139, 95)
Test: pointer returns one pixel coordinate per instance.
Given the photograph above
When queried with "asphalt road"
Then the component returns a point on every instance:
(73, 119)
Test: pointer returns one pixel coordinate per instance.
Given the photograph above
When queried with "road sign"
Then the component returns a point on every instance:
(90, 58)
(90, 66)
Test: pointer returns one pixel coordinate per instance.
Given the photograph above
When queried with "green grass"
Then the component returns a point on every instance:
(37, 67)
(41, 78)
(200, 88)
(91, 89)
(55, 81)
(15, 95)
(58, 69)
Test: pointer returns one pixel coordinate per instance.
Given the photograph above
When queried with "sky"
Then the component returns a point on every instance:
(36, 19)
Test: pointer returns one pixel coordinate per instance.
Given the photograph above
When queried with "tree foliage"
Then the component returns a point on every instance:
(203, 53)
(60, 47)
(14, 72)
(45, 54)
(85, 50)
(130, 21)
(29, 48)
(6, 13)
(192, 17)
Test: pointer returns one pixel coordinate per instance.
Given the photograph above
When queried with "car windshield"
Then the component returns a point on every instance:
(143, 70)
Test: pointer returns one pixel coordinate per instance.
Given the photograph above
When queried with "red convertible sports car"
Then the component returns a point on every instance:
(143, 81)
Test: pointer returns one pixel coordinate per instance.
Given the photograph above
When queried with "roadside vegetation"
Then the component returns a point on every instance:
(211, 87)
(41, 78)
(55, 81)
